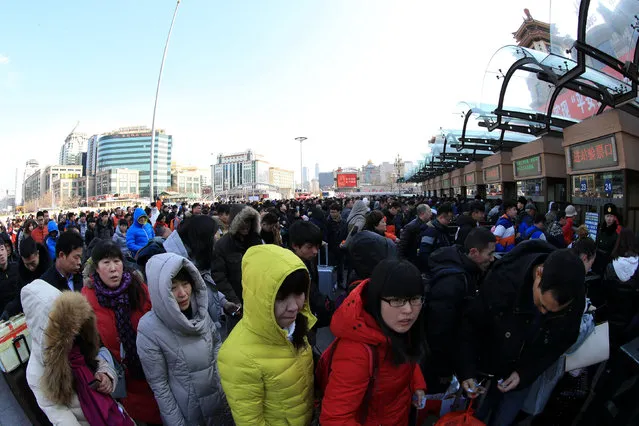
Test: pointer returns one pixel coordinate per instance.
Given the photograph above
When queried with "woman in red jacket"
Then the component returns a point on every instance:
(381, 314)
(119, 299)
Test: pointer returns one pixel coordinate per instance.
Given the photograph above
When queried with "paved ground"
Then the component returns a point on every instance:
(11, 413)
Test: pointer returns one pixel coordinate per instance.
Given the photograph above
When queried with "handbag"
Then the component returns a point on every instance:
(464, 418)
(120, 388)
(595, 349)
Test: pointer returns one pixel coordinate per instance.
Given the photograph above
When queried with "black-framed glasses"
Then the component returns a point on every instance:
(398, 303)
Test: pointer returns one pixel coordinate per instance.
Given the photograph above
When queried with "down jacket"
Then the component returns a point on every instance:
(51, 242)
(138, 236)
(179, 356)
(394, 384)
(46, 380)
(266, 380)
(139, 401)
(229, 250)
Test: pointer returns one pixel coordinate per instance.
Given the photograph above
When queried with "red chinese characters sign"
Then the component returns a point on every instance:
(491, 174)
(595, 154)
(347, 180)
(470, 178)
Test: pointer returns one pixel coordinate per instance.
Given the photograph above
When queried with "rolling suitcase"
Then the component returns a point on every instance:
(327, 277)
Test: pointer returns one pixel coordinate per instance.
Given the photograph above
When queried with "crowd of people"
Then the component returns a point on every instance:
(208, 314)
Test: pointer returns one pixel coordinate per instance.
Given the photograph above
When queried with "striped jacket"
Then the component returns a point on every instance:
(504, 231)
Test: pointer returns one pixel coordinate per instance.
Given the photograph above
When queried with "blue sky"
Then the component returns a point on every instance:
(362, 79)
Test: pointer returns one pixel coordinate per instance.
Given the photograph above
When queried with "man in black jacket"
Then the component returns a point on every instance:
(527, 314)
(34, 262)
(409, 238)
(65, 274)
(336, 232)
(306, 241)
(470, 220)
(455, 275)
(9, 288)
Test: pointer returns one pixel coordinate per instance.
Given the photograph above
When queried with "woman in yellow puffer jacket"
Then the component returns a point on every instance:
(266, 363)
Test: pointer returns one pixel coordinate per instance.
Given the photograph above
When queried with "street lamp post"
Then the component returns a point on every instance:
(301, 139)
(155, 106)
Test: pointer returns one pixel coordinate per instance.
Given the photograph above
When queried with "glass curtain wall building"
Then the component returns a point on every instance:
(128, 148)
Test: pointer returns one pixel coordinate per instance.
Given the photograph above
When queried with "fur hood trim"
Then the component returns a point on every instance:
(243, 213)
(70, 316)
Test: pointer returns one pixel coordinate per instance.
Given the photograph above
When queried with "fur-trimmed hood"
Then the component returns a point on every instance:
(240, 213)
(70, 316)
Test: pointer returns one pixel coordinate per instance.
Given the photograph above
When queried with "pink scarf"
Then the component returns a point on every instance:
(98, 409)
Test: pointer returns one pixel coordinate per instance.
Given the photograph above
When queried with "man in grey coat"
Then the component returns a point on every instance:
(178, 345)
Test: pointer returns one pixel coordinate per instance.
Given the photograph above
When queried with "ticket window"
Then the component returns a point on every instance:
(598, 185)
(530, 188)
(494, 189)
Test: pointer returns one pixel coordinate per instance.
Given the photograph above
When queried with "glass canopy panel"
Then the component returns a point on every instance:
(494, 75)
(610, 29)
(564, 20)
(526, 93)
(571, 105)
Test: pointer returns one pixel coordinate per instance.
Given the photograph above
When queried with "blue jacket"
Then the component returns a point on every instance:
(526, 223)
(138, 236)
(504, 231)
(533, 233)
(51, 242)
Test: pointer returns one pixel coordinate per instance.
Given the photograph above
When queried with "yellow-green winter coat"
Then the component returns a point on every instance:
(266, 380)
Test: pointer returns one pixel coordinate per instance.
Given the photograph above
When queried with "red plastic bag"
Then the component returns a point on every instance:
(460, 418)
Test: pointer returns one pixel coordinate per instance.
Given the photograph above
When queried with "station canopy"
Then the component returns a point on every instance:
(592, 66)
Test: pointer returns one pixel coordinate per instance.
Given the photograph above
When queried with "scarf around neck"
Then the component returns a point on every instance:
(118, 300)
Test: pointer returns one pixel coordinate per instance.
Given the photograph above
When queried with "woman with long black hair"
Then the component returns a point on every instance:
(380, 323)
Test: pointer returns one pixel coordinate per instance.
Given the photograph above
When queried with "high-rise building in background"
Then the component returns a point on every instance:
(186, 180)
(239, 169)
(71, 152)
(316, 176)
(370, 174)
(284, 180)
(91, 166)
(305, 181)
(326, 180)
(129, 148)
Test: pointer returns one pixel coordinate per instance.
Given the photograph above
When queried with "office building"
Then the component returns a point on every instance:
(91, 165)
(186, 180)
(370, 174)
(117, 181)
(326, 180)
(239, 170)
(284, 180)
(316, 176)
(305, 181)
(129, 148)
(71, 152)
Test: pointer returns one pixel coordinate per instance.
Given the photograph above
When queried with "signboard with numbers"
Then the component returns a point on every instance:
(527, 167)
(595, 154)
(491, 174)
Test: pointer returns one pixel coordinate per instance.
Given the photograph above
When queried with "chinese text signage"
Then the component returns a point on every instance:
(456, 181)
(445, 183)
(347, 180)
(594, 155)
(527, 167)
(491, 174)
(470, 178)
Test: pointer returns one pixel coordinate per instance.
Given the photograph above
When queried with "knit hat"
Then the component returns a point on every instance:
(530, 206)
(571, 211)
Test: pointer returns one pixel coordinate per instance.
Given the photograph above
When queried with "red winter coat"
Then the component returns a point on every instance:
(348, 381)
(140, 402)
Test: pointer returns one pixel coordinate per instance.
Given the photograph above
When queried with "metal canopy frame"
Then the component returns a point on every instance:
(628, 69)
